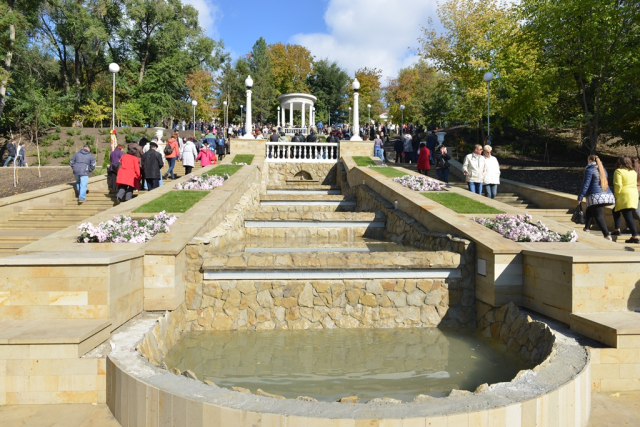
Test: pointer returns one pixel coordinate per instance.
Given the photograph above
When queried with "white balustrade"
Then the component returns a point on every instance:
(303, 152)
(293, 131)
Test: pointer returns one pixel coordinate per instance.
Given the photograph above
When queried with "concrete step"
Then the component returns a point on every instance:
(12, 246)
(615, 329)
(297, 192)
(39, 225)
(43, 217)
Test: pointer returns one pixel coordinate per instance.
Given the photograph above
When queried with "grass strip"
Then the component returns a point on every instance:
(461, 204)
(224, 169)
(173, 201)
(243, 158)
(390, 172)
(363, 161)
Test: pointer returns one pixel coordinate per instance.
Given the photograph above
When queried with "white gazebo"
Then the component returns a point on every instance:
(297, 101)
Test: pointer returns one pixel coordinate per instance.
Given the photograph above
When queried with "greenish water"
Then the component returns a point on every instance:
(329, 364)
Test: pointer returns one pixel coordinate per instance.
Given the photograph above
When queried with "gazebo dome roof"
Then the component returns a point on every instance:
(297, 99)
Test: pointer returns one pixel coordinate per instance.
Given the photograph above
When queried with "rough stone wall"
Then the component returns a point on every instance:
(308, 304)
(280, 173)
(531, 339)
(401, 228)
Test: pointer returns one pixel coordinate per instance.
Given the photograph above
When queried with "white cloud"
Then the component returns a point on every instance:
(379, 34)
(208, 14)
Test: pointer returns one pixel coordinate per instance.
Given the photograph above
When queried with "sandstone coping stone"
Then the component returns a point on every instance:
(317, 216)
(328, 260)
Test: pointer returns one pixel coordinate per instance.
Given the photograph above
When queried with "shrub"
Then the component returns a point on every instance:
(60, 152)
(74, 132)
(57, 128)
(46, 143)
(45, 153)
(44, 162)
(87, 137)
(66, 162)
(69, 142)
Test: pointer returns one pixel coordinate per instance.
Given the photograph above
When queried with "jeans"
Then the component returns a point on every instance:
(379, 152)
(627, 214)
(475, 187)
(443, 174)
(172, 163)
(152, 183)
(81, 185)
(9, 159)
(492, 190)
(596, 212)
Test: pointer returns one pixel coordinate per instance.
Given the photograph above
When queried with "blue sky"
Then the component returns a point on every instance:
(356, 33)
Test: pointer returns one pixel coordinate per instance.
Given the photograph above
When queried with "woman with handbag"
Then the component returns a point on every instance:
(595, 187)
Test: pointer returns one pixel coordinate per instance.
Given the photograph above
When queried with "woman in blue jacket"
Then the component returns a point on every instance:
(596, 189)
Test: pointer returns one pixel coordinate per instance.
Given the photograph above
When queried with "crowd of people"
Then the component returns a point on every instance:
(623, 196)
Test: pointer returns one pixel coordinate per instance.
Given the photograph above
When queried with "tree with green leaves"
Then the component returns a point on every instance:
(328, 83)
(264, 91)
(593, 45)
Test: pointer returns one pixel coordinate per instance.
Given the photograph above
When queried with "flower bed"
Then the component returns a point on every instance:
(124, 229)
(521, 228)
(419, 183)
(204, 182)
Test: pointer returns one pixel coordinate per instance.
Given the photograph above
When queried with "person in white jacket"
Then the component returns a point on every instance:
(491, 174)
(189, 156)
(473, 169)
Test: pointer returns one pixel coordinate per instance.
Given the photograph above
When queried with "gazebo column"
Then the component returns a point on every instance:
(291, 114)
(283, 109)
(302, 108)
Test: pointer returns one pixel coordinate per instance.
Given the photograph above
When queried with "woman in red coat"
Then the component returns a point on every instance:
(128, 174)
(423, 159)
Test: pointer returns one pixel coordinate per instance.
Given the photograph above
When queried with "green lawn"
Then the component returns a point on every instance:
(224, 169)
(390, 172)
(243, 158)
(363, 161)
(173, 201)
(461, 204)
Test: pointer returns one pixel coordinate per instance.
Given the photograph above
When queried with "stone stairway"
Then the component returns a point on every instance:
(22, 228)
(178, 169)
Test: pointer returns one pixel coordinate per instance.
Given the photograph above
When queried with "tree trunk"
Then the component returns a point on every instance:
(38, 149)
(7, 61)
(144, 61)
(77, 74)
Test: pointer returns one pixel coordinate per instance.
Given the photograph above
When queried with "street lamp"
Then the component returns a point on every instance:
(349, 121)
(241, 112)
(369, 107)
(249, 84)
(356, 114)
(278, 117)
(402, 121)
(194, 103)
(225, 113)
(488, 76)
(114, 68)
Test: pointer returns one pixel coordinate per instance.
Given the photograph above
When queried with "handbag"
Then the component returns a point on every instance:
(578, 215)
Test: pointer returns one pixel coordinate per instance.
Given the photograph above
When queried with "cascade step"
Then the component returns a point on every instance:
(615, 329)
(304, 192)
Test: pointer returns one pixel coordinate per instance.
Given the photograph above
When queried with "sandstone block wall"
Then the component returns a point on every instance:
(319, 173)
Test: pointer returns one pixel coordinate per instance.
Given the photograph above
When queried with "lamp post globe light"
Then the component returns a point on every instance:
(356, 116)
(114, 68)
(225, 113)
(194, 103)
(488, 76)
(402, 120)
(247, 132)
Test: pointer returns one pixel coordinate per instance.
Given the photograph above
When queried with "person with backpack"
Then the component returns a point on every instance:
(206, 156)
(82, 163)
(171, 153)
(220, 146)
(114, 165)
(128, 174)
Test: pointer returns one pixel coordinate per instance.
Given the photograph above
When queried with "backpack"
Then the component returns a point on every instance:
(168, 150)
(220, 141)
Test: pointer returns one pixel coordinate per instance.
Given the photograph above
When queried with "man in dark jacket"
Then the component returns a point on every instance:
(11, 151)
(151, 165)
(432, 142)
(274, 137)
(312, 137)
(82, 163)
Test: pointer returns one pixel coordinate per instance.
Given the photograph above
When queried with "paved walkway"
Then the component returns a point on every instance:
(607, 410)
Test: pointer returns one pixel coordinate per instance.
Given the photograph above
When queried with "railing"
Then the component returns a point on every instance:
(303, 152)
(293, 131)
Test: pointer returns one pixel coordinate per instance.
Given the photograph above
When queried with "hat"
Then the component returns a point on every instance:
(136, 140)
(153, 144)
(205, 143)
(155, 138)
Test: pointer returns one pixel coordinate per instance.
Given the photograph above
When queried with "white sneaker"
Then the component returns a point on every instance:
(608, 238)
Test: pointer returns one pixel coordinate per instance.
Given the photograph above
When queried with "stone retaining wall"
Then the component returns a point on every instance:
(282, 174)
(531, 339)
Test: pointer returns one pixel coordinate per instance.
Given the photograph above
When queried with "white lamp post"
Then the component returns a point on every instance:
(488, 76)
(278, 117)
(225, 113)
(241, 112)
(356, 115)
(402, 120)
(369, 107)
(114, 68)
(194, 103)
(249, 84)
(349, 120)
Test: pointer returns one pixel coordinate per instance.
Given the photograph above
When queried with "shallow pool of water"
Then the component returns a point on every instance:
(329, 364)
